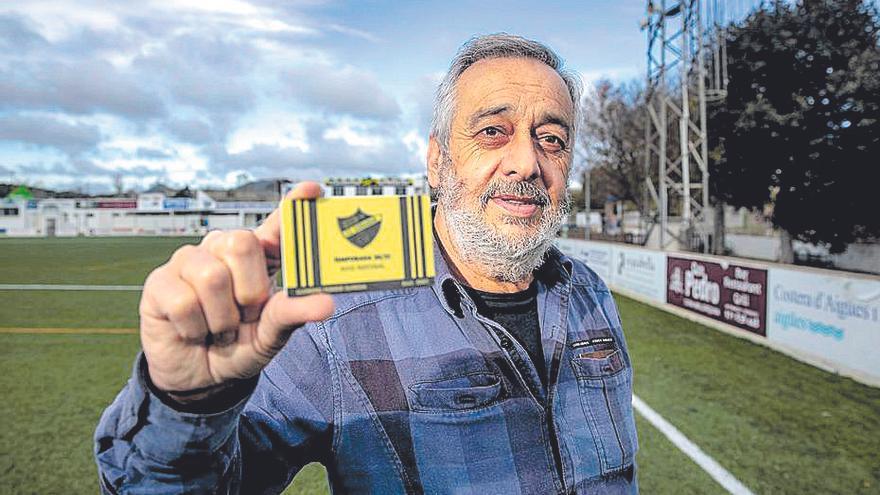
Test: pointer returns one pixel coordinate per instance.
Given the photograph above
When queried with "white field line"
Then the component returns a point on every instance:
(70, 287)
(690, 449)
(68, 331)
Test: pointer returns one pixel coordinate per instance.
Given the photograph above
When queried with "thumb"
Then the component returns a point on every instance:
(269, 232)
(283, 314)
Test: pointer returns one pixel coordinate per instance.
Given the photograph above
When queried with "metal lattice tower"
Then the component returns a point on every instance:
(686, 70)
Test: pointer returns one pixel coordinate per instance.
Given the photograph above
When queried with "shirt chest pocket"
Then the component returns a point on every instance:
(458, 394)
(605, 388)
(468, 431)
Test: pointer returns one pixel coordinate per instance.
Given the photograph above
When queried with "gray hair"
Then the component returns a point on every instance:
(499, 45)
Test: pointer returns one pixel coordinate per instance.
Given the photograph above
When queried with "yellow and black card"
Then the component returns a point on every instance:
(347, 244)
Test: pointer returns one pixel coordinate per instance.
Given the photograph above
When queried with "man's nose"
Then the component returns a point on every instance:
(521, 160)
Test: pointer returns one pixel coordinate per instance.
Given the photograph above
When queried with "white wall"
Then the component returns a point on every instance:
(102, 222)
(760, 247)
(863, 257)
(860, 257)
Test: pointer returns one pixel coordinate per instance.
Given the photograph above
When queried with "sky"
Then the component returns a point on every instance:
(210, 93)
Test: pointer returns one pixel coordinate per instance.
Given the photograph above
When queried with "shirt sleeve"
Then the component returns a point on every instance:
(143, 445)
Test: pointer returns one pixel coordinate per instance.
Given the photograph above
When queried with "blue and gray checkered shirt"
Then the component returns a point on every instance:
(405, 391)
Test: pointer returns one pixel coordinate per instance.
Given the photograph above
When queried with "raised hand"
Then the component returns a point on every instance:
(208, 315)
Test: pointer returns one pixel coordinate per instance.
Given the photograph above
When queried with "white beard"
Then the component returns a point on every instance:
(502, 256)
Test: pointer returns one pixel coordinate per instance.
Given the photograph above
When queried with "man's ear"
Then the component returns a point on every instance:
(433, 162)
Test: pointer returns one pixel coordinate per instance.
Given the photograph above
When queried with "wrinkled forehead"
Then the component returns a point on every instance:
(520, 87)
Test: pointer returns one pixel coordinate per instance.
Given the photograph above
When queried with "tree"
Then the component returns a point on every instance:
(612, 141)
(800, 127)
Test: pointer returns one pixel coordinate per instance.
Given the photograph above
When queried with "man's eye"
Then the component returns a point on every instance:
(491, 132)
(554, 141)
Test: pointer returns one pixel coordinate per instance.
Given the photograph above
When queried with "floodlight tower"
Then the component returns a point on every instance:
(687, 68)
(676, 102)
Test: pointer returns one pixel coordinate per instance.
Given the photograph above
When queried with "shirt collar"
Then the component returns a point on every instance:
(556, 269)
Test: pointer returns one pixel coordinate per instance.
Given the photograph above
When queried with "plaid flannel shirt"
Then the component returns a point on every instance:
(405, 391)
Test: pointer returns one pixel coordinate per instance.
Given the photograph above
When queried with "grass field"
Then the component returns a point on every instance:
(776, 424)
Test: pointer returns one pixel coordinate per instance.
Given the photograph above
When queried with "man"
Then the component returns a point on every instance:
(509, 375)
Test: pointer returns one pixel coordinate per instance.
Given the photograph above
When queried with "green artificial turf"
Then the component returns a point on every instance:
(78, 260)
(68, 309)
(662, 468)
(778, 425)
(84, 260)
(55, 388)
(57, 385)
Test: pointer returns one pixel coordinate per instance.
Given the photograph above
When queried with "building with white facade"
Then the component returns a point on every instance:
(161, 213)
(148, 214)
(374, 186)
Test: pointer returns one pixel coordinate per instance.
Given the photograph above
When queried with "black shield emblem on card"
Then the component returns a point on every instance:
(360, 229)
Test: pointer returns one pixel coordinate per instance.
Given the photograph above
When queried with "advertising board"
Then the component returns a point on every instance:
(175, 203)
(833, 317)
(246, 205)
(596, 255)
(116, 203)
(639, 271)
(730, 293)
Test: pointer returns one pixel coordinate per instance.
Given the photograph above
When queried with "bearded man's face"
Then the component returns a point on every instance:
(508, 251)
(502, 183)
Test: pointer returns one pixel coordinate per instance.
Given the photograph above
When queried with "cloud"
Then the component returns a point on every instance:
(152, 154)
(71, 138)
(140, 171)
(118, 45)
(206, 70)
(191, 130)
(331, 151)
(278, 128)
(17, 34)
(84, 87)
(423, 98)
(75, 168)
(357, 33)
(345, 90)
(97, 89)
(89, 168)
(83, 168)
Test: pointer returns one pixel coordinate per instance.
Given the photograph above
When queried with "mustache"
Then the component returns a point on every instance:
(515, 188)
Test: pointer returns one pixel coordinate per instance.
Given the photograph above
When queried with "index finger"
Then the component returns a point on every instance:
(269, 232)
